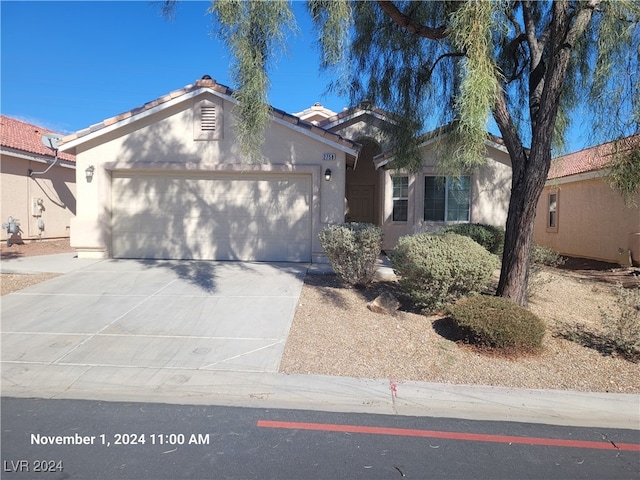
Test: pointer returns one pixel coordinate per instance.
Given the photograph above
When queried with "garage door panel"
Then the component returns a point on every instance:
(220, 217)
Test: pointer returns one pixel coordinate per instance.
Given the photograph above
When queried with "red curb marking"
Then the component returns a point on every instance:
(475, 437)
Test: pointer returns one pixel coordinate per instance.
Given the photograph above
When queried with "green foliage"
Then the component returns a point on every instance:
(333, 19)
(545, 256)
(611, 45)
(394, 70)
(253, 32)
(490, 237)
(352, 250)
(497, 323)
(622, 327)
(437, 269)
(541, 256)
(624, 175)
(471, 32)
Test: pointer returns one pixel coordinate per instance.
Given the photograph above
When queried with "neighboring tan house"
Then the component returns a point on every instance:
(580, 215)
(169, 182)
(37, 190)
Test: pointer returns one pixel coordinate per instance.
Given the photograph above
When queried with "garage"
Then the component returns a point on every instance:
(211, 216)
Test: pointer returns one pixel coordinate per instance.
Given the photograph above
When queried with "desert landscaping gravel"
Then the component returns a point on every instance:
(333, 333)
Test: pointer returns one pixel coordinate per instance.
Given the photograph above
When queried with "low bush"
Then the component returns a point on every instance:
(622, 327)
(352, 250)
(490, 237)
(545, 256)
(435, 269)
(498, 324)
(541, 256)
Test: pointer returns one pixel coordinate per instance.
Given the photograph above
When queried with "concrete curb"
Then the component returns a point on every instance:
(324, 393)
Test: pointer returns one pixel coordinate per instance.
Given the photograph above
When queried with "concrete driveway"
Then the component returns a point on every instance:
(174, 317)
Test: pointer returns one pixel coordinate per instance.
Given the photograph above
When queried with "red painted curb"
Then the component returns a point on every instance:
(474, 437)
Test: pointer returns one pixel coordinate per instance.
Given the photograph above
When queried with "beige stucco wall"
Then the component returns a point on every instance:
(593, 221)
(56, 189)
(490, 193)
(164, 141)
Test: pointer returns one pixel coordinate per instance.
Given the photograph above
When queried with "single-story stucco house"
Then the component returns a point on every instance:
(38, 190)
(580, 215)
(169, 182)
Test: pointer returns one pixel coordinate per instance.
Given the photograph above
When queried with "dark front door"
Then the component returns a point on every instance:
(361, 203)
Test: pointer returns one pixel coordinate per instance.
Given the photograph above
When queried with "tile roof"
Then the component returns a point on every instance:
(209, 83)
(26, 137)
(361, 108)
(385, 157)
(590, 159)
(315, 110)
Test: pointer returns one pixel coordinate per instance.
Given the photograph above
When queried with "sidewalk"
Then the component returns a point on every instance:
(58, 263)
(182, 384)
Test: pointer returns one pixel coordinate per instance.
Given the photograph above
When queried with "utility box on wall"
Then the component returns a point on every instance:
(37, 205)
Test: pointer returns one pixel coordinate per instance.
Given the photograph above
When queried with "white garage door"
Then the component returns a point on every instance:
(264, 217)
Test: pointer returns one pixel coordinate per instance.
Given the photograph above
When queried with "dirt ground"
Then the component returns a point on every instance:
(333, 333)
(30, 248)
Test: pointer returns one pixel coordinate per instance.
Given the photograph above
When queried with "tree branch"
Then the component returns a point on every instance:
(510, 135)
(441, 57)
(406, 22)
(514, 21)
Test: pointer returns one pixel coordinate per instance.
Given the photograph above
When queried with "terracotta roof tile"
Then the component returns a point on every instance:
(364, 108)
(27, 137)
(589, 159)
(224, 90)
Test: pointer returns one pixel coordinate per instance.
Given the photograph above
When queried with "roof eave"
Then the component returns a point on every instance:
(36, 157)
(71, 142)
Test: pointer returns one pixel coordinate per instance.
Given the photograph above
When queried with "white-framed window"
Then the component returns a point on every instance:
(552, 217)
(400, 198)
(447, 199)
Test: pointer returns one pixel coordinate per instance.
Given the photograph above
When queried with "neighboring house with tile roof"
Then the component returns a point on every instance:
(580, 215)
(170, 182)
(37, 190)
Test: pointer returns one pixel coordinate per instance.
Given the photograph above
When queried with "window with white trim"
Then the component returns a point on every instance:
(552, 217)
(447, 199)
(400, 198)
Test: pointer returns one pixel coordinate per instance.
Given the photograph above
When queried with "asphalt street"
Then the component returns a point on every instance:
(79, 439)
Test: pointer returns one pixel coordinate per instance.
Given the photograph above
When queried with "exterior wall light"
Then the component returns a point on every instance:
(327, 174)
(89, 173)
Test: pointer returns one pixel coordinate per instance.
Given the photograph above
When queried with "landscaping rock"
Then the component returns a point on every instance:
(384, 303)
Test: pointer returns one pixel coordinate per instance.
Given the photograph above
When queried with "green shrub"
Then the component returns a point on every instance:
(496, 323)
(352, 250)
(490, 237)
(435, 269)
(622, 327)
(545, 256)
(539, 257)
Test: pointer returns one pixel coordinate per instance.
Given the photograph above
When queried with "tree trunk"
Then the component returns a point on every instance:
(530, 170)
(526, 190)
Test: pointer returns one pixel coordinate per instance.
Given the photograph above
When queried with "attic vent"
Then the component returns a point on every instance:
(208, 118)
